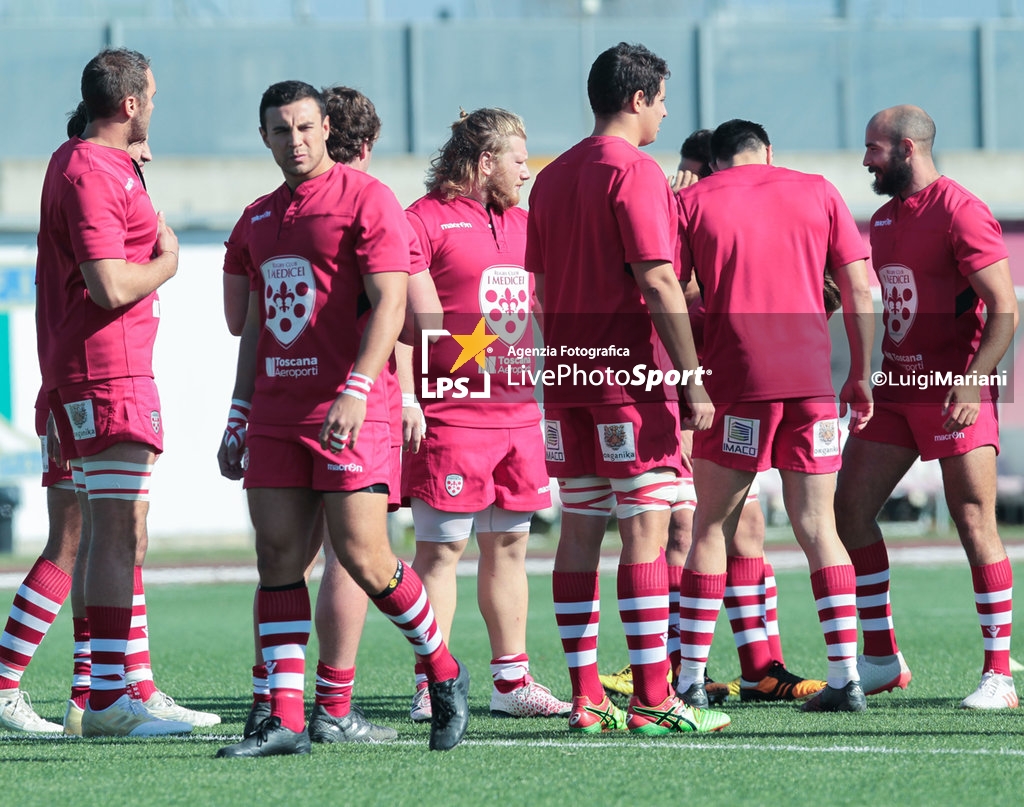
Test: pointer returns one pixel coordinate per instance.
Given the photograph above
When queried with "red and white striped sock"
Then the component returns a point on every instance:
(993, 597)
(109, 626)
(284, 625)
(771, 614)
(744, 605)
(510, 672)
(405, 603)
(334, 689)
(675, 579)
(643, 607)
(834, 589)
(700, 600)
(81, 673)
(138, 669)
(35, 606)
(577, 598)
(260, 684)
(871, 564)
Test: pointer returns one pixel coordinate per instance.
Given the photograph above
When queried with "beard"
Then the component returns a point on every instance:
(138, 132)
(502, 192)
(894, 178)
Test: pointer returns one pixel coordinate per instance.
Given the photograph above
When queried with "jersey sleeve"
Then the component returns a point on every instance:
(382, 239)
(643, 205)
(421, 251)
(845, 243)
(237, 260)
(684, 253)
(97, 210)
(976, 236)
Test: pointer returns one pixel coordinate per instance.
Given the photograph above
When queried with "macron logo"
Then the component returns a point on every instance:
(457, 225)
(883, 223)
(260, 217)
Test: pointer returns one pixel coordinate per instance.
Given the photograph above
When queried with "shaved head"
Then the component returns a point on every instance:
(906, 122)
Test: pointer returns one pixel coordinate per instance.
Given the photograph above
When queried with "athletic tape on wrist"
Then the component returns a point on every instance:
(358, 385)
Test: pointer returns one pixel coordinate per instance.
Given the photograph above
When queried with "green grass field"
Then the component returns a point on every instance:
(909, 748)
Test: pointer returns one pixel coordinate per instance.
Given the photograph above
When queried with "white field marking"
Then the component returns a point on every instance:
(611, 743)
(682, 742)
(951, 554)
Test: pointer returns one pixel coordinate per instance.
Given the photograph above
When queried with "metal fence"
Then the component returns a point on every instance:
(813, 83)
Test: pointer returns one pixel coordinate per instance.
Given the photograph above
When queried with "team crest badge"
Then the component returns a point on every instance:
(826, 438)
(154, 419)
(899, 301)
(453, 484)
(83, 420)
(505, 302)
(614, 435)
(79, 413)
(617, 440)
(289, 295)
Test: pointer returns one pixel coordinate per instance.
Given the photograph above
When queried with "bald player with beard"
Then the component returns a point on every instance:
(949, 309)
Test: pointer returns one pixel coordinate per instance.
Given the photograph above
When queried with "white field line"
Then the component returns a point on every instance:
(674, 744)
(948, 554)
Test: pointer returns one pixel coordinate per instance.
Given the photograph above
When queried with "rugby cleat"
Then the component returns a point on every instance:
(258, 712)
(695, 695)
(781, 685)
(530, 700)
(73, 719)
(270, 739)
(883, 673)
(593, 718)
(849, 698)
(449, 710)
(421, 711)
(672, 715)
(163, 706)
(127, 717)
(16, 713)
(621, 681)
(994, 692)
(354, 727)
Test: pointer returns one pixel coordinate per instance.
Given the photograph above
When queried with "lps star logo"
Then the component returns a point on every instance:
(474, 346)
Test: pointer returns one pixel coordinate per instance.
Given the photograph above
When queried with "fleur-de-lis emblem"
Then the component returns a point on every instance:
(284, 298)
(508, 303)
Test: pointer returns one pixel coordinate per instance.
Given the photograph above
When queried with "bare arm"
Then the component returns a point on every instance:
(387, 293)
(859, 321)
(414, 425)
(113, 283)
(994, 286)
(236, 302)
(231, 452)
(423, 308)
(664, 296)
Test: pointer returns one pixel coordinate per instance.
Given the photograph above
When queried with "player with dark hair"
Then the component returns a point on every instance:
(601, 243)
(63, 561)
(694, 159)
(480, 466)
(341, 604)
(318, 433)
(770, 413)
(939, 253)
(751, 607)
(101, 239)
